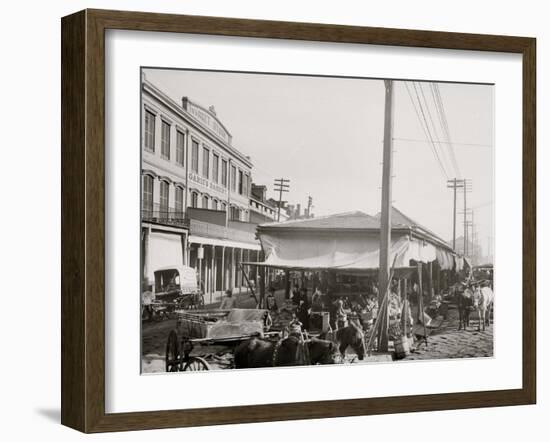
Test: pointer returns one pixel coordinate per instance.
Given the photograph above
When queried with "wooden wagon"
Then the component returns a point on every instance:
(209, 327)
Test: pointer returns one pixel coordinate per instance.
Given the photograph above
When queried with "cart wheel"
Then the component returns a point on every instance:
(196, 363)
(172, 353)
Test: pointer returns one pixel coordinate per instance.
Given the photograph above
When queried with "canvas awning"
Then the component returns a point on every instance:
(445, 259)
(347, 253)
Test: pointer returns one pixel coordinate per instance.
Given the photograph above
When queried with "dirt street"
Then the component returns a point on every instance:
(444, 342)
(448, 342)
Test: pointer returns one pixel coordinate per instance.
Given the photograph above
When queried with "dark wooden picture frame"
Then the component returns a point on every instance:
(83, 219)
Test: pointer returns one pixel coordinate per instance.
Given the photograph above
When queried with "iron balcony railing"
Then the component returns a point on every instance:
(236, 231)
(168, 216)
(202, 228)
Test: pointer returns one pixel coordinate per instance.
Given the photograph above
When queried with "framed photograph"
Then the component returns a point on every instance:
(266, 221)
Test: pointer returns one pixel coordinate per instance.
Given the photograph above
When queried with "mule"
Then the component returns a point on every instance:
(483, 299)
(464, 304)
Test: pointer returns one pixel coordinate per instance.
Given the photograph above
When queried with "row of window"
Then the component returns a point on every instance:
(164, 209)
(240, 182)
(263, 208)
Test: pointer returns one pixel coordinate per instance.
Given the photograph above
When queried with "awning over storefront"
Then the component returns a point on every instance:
(223, 242)
(165, 250)
(352, 253)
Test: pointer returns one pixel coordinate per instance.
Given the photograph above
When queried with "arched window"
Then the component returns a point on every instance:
(214, 204)
(194, 199)
(205, 202)
(164, 196)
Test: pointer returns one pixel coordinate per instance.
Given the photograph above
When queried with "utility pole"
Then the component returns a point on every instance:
(454, 184)
(466, 189)
(473, 238)
(467, 223)
(385, 236)
(468, 251)
(281, 185)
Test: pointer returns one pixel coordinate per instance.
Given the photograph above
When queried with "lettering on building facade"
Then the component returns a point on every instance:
(209, 121)
(207, 183)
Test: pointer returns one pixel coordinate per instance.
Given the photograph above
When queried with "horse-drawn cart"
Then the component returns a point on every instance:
(206, 327)
(175, 288)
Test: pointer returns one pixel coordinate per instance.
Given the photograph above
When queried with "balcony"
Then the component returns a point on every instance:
(202, 222)
(212, 224)
(169, 216)
(209, 230)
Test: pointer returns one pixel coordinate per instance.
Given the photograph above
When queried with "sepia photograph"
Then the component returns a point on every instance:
(303, 220)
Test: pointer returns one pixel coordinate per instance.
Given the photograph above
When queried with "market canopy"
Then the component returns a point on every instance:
(349, 242)
(341, 252)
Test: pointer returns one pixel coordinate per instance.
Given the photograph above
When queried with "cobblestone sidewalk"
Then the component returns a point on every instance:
(447, 341)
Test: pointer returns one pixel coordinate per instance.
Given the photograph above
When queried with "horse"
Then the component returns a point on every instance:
(351, 335)
(483, 299)
(291, 351)
(464, 303)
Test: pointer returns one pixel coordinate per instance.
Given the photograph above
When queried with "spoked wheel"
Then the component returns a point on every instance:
(173, 362)
(196, 363)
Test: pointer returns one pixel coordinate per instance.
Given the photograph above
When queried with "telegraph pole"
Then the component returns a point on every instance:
(454, 184)
(385, 220)
(473, 238)
(466, 188)
(281, 185)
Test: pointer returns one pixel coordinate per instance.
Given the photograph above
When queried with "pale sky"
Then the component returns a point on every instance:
(325, 134)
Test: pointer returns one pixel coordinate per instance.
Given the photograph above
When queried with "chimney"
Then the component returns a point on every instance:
(184, 102)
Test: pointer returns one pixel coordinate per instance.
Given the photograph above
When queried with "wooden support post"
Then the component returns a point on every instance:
(421, 303)
(262, 273)
(406, 309)
(430, 281)
(385, 220)
(250, 286)
(287, 284)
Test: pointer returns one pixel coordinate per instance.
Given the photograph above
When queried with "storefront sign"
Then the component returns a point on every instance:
(207, 183)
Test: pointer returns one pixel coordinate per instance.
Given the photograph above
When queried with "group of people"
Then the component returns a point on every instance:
(339, 308)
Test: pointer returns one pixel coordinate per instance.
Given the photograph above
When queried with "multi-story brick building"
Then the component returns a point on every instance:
(196, 189)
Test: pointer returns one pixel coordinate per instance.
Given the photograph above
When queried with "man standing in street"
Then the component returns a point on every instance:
(228, 301)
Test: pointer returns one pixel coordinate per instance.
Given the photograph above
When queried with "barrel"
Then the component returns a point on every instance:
(401, 347)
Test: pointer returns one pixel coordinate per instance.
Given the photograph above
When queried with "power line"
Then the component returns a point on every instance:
(444, 124)
(415, 140)
(434, 147)
(425, 129)
(429, 113)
